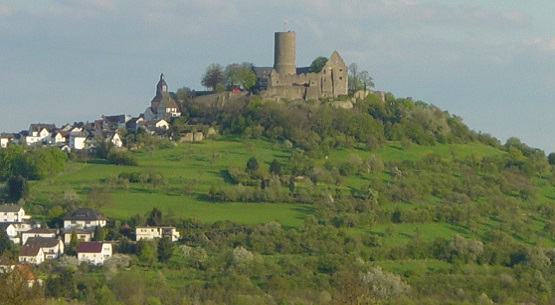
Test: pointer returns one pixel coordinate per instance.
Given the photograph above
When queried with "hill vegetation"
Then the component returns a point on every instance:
(390, 202)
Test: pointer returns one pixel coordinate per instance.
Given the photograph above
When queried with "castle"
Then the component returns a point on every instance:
(285, 80)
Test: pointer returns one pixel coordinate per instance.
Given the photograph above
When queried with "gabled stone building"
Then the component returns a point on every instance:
(285, 80)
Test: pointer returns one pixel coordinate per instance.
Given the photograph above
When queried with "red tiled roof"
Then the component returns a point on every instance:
(89, 247)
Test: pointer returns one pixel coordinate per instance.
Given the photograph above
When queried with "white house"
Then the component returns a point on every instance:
(77, 140)
(82, 235)
(12, 213)
(39, 133)
(84, 218)
(52, 247)
(38, 232)
(5, 139)
(115, 139)
(156, 232)
(31, 254)
(10, 230)
(58, 137)
(94, 253)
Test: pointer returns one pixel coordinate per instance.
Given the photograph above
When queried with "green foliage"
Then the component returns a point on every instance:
(317, 64)
(213, 76)
(147, 251)
(17, 188)
(165, 249)
(122, 158)
(35, 164)
(5, 243)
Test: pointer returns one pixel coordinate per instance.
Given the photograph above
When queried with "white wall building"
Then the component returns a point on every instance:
(84, 218)
(156, 232)
(12, 213)
(94, 253)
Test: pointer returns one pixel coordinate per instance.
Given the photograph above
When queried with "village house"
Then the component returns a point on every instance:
(6, 139)
(94, 253)
(31, 255)
(84, 218)
(156, 232)
(11, 231)
(52, 247)
(39, 133)
(81, 234)
(38, 232)
(77, 140)
(12, 213)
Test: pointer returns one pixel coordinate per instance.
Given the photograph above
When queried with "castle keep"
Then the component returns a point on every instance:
(285, 80)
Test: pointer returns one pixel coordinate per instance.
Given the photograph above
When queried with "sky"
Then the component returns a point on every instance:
(490, 62)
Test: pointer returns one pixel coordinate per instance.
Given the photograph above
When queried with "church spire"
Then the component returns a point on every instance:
(161, 86)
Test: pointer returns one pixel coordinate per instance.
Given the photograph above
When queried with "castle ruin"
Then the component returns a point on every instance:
(285, 80)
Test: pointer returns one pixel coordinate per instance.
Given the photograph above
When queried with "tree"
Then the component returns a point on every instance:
(275, 167)
(165, 249)
(72, 249)
(17, 188)
(154, 217)
(99, 233)
(252, 165)
(184, 94)
(213, 76)
(551, 159)
(317, 64)
(146, 251)
(240, 74)
(365, 80)
(359, 79)
(5, 243)
(16, 291)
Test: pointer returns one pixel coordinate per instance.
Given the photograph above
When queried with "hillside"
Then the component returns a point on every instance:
(392, 202)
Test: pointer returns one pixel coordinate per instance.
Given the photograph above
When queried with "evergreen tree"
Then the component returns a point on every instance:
(99, 233)
(165, 249)
(72, 249)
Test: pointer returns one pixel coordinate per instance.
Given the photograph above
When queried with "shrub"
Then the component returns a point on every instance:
(122, 158)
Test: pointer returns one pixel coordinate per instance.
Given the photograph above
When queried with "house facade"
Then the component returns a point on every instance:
(82, 235)
(94, 253)
(84, 218)
(31, 255)
(12, 213)
(11, 231)
(38, 232)
(156, 232)
(51, 247)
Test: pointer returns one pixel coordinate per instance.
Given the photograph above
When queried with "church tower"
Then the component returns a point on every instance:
(161, 86)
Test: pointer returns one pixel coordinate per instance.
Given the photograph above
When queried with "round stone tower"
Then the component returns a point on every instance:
(284, 53)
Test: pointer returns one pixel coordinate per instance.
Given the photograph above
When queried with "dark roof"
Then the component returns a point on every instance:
(10, 208)
(85, 214)
(302, 70)
(41, 231)
(79, 231)
(40, 126)
(89, 247)
(6, 135)
(29, 250)
(42, 241)
(5, 225)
